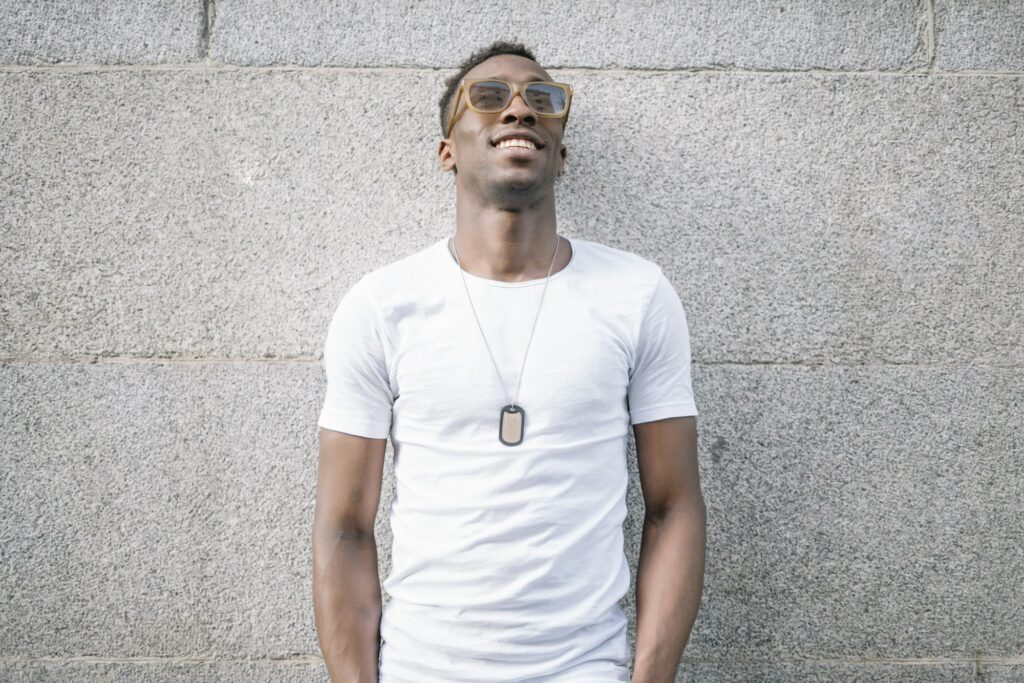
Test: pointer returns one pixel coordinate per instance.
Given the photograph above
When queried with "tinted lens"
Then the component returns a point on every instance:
(546, 99)
(489, 96)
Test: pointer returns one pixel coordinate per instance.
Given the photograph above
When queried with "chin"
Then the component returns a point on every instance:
(519, 190)
(524, 179)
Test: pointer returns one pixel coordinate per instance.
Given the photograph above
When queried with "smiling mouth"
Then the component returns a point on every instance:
(517, 143)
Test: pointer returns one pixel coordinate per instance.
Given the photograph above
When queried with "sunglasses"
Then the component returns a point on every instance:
(489, 96)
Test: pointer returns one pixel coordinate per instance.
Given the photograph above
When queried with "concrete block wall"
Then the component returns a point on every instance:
(835, 189)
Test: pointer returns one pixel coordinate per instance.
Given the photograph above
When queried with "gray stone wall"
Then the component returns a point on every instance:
(835, 189)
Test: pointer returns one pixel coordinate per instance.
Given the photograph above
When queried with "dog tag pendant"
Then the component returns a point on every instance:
(510, 427)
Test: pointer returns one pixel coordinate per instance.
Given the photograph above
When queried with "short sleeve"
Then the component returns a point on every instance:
(358, 399)
(660, 385)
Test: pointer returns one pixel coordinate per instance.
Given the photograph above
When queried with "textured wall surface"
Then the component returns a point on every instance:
(835, 189)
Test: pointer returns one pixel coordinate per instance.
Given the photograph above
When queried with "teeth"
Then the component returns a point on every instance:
(517, 142)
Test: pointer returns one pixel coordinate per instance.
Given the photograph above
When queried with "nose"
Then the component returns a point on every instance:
(517, 110)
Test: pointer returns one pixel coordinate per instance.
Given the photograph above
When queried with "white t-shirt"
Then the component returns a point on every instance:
(507, 561)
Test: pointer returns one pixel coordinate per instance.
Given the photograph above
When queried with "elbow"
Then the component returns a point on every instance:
(691, 508)
(341, 534)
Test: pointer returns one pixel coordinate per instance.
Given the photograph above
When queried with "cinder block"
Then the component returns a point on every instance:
(998, 672)
(825, 219)
(860, 512)
(308, 669)
(979, 36)
(120, 32)
(825, 672)
(802, 218)
(213, 200)
(853, 512)
(158, 510)
(868, 35)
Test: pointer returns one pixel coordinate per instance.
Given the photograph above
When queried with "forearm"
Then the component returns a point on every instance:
(670, 579)
(347, 603)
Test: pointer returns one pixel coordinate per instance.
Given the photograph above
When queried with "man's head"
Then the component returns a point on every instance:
(473, 143)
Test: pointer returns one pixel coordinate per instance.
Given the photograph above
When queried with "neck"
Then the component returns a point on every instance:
(508, 243)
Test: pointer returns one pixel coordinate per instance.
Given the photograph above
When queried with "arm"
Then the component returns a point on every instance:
(670, 571)
(346, 585)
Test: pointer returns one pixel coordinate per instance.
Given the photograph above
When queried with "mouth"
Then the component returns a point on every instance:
(517, 147)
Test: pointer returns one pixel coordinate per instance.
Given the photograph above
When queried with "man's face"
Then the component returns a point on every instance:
(472, 147)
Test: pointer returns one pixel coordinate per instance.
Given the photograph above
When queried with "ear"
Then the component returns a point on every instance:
(561, 166)
(446, 155)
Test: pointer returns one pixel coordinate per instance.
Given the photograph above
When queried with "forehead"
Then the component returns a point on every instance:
(509, 67)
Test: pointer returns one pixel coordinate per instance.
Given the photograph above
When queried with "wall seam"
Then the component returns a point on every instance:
(209, 16)
(210, 65)
(929, 36)
(309, 360)
(316, 659)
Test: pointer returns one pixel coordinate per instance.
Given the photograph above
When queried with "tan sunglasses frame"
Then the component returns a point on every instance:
(517, 89)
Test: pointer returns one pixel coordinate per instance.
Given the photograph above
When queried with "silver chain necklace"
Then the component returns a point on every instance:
(512, 421)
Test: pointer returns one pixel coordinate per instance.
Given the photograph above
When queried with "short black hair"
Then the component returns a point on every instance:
(499, 47)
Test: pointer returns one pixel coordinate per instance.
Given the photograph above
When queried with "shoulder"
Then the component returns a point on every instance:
(400, 281)
(403, 286)
(623, 270)
(621, 259)
(404, 271)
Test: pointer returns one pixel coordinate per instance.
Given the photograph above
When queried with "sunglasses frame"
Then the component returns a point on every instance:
(517, 89)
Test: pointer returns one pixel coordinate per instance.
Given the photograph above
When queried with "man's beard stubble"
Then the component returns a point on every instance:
(503, 191)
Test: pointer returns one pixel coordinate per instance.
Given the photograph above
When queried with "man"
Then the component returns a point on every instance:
(507, 363)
